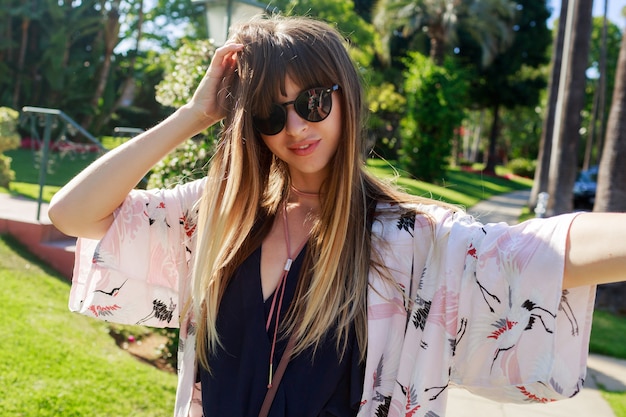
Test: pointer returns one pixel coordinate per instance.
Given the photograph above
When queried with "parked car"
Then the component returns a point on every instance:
(585, 189)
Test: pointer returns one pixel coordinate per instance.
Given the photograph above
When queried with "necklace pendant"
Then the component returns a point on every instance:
(288, 265)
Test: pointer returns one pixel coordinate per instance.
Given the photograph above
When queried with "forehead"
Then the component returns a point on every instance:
(291, 89)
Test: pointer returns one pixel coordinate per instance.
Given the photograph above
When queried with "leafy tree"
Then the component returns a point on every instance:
(487, 21)
(514, 79)
(386, 108)
(183, 72)
(435, 101)
(65, 54)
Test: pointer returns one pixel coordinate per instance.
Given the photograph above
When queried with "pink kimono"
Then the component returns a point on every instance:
(487, 309)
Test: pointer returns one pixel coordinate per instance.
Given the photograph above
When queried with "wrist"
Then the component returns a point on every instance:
(195, 118)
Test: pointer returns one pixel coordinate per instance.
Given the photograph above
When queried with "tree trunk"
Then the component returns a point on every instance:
(540, 183)
(492, 157)
(127, 94)
(477, 134)
(611, 193)
(111, 38)
(436, 33)
(602, 86)
(564, 158)
(20, 61)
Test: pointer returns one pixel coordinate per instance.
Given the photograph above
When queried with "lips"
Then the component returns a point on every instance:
(304, 148)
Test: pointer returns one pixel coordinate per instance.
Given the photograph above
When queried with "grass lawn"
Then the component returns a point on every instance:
(57, 363)
(61, 167)
(458, 187)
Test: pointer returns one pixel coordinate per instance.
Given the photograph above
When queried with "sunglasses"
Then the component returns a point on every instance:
(313, 105)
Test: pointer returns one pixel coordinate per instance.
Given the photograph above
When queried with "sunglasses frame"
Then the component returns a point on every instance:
(283, 109)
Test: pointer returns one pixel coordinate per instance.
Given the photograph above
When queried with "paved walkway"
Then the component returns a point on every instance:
(602, 371)
(501, 208)
(22, 209)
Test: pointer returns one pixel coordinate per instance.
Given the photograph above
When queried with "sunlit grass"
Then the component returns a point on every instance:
(57, 363)
(32, 190)
(458, 187)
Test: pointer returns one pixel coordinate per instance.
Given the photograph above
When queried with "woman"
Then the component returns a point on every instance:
(380, 299)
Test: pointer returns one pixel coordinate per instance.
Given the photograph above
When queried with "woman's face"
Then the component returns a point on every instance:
(306, 147)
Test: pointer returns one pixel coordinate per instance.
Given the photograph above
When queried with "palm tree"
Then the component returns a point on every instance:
(486, 20)
(597, 111)
(109, 34)
(611, 194)
(567, 122)
(545, 144)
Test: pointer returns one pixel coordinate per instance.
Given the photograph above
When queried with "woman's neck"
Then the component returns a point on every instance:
(307, 200)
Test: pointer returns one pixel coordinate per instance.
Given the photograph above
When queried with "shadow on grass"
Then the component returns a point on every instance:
(23, 252)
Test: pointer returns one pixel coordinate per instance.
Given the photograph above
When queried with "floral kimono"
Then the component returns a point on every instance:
(477, 306)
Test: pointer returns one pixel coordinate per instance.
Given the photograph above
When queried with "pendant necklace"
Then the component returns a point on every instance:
(280, 292)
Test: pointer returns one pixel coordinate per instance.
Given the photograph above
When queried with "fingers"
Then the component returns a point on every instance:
(224, 60)
(209, 96)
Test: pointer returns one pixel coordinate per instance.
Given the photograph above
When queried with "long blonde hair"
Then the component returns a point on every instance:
(246, 184)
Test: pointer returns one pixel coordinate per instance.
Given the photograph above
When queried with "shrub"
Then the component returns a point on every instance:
(9, 139)
(186, 163)
(183, 72)
(522, 167)
(435, 98)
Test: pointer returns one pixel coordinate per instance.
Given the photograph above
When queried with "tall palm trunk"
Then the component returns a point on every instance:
(127, 92)
(492, 157)
(437, 35)
(21, 61)
(564, 158)
(540, 184)
(611, 194)
(596, 128)
(111, 38)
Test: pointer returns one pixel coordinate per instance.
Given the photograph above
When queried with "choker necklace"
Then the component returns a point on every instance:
(303, 193)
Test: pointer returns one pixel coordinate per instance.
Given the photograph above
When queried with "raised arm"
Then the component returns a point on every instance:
(84, 207)
(596, 250)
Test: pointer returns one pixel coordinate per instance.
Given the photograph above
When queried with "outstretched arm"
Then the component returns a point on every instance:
(84, 207)
(596, 250)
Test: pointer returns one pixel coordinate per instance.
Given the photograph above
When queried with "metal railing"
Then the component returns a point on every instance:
(50, 119)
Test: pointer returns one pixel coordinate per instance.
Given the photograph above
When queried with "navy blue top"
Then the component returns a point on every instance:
(316, 386)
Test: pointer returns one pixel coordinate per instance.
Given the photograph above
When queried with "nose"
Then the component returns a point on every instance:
(294, 122)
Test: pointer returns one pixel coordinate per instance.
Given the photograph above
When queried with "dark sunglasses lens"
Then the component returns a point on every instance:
(273, 124)
(314, 104)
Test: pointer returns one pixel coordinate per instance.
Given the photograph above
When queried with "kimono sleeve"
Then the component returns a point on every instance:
(138, 271)
(520, 336)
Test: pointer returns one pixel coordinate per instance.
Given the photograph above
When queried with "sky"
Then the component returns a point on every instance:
(614, 7)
